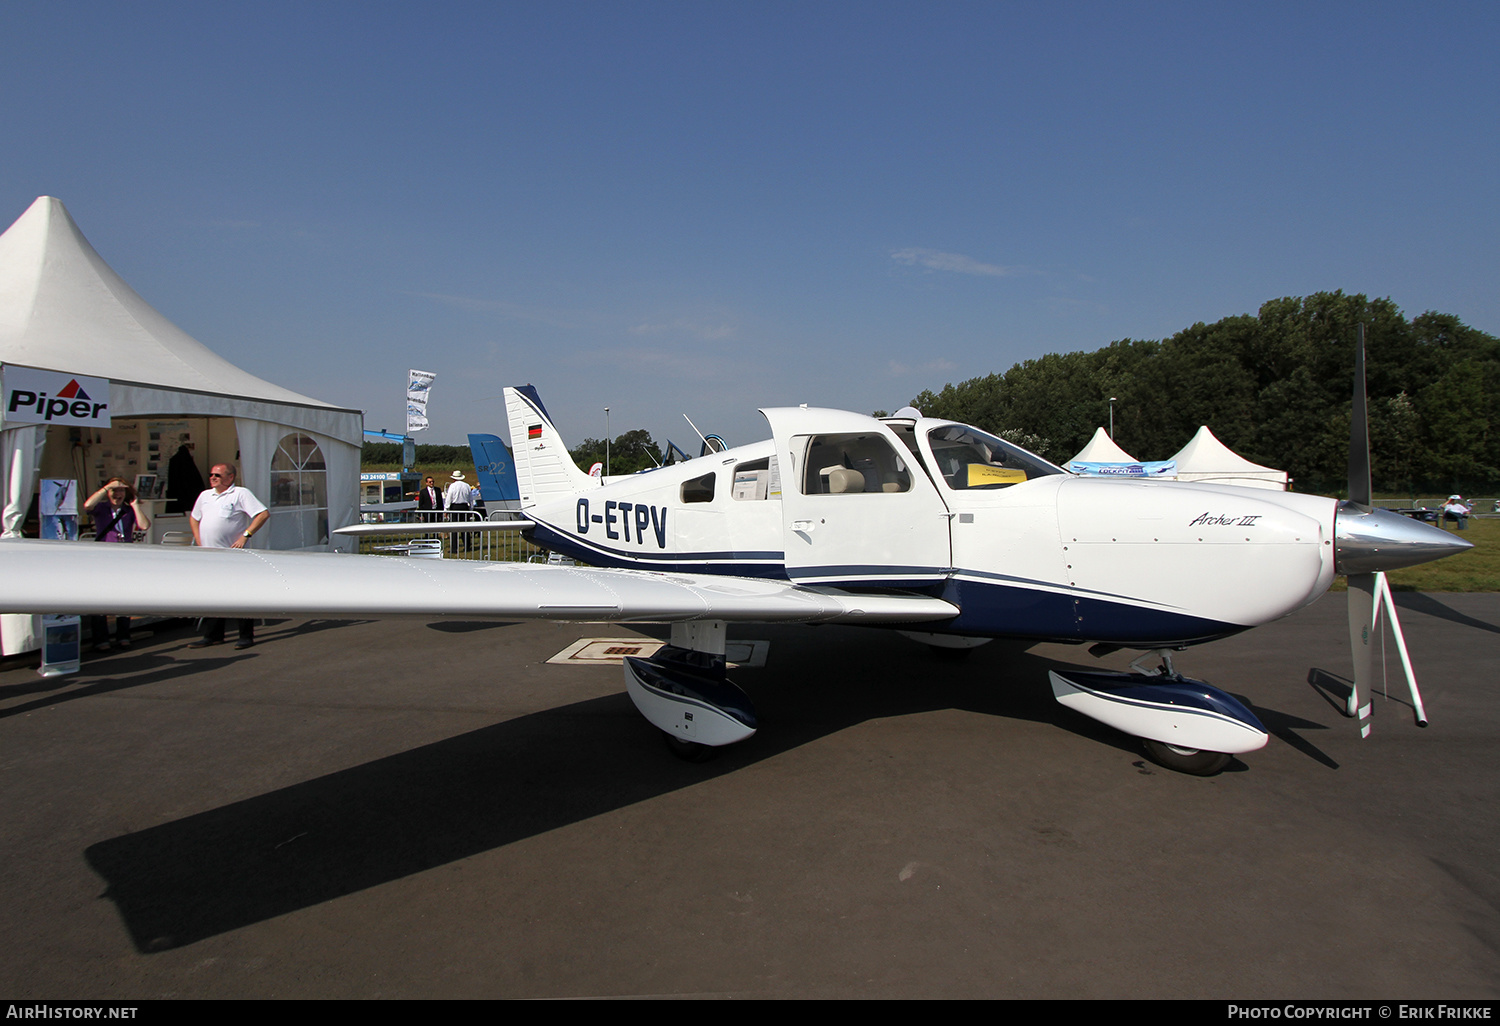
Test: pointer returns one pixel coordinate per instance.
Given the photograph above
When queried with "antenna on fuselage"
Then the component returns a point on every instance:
(711, 443)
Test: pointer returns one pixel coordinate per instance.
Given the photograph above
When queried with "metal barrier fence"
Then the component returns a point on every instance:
(485, 545)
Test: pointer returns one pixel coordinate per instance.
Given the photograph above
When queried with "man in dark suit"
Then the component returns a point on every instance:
(429, 502)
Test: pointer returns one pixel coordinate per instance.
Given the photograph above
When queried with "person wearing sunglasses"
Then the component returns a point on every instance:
(226, 516)
(117, 516)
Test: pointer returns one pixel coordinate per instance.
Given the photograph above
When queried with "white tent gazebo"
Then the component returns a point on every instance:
(1205, 458)
(65, 312)
(1102, 449)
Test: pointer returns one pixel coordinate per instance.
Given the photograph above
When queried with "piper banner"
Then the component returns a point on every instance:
(1160, 468)
(418, 384)
(54, 397)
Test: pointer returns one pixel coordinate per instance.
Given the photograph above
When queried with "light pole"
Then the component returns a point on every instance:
(606, 441)
(1112, 402)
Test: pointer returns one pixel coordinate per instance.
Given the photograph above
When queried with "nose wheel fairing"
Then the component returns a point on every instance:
(1177, 711)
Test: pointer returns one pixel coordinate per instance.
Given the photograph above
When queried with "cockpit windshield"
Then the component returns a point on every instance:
(968, 458)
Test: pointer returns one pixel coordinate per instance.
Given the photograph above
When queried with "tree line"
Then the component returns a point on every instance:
(632, 451)
(389, 454)
(1275, 387)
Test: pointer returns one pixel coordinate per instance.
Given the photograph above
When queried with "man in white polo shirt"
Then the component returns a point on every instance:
(226, 516)
(456, 500)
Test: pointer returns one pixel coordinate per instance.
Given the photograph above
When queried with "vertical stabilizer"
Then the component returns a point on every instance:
(496, 470)
(544, 470)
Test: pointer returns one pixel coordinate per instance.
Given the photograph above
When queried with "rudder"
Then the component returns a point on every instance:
(544, 470)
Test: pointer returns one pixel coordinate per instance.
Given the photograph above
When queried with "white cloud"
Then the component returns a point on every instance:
(694, 329)
(896, 369)
(653, 362)
(700, 330)
(1068, 305)
(936, 260)
(542, 315)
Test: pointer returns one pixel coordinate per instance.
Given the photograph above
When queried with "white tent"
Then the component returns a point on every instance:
(64, 310)
(1102, 449)
(1205, 458)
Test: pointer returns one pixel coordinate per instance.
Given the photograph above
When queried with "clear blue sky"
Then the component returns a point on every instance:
(713, 206)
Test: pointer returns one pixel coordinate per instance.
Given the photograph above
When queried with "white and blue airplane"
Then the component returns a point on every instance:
(932, 527)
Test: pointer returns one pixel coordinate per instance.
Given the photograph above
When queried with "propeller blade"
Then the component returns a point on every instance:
(1366, 539)
(1369, 541)
(1359, 430)
(1361, 631)
(1361, 585)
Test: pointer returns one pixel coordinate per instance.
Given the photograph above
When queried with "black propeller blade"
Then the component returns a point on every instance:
(1359, 431)
(1361, 586)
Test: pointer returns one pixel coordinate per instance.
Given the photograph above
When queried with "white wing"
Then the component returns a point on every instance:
(75, 577)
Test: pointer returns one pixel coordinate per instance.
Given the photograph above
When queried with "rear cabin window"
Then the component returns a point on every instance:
(699, 489)
(756, 480)
(853, 464)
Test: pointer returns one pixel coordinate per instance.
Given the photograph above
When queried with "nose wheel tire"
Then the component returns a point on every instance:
(1186, 760)
(692, 751)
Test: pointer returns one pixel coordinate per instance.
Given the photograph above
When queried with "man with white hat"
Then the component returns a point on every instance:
(456, 500)
(1456, 509)
(457, 495)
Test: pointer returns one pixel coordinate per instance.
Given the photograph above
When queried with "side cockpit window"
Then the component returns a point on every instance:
(969, 458)
(853, 464)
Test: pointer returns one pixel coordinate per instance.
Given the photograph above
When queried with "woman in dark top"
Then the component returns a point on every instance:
(117, 516)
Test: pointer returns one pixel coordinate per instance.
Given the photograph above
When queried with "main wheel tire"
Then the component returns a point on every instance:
(688, 751)
(1186, 760)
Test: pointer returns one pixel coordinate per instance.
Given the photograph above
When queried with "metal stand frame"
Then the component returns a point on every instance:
(1385, 600)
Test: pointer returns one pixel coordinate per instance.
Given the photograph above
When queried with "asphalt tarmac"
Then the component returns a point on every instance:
(398, 808)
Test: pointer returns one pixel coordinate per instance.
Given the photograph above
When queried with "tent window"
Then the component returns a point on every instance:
(299, 494)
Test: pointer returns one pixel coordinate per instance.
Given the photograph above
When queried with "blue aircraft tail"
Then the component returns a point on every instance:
(497, 472)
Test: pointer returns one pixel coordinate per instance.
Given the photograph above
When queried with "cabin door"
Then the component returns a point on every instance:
(856, 509)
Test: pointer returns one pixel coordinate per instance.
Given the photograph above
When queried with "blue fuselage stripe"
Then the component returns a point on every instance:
(995, 606)
(729, 564)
